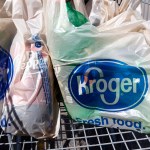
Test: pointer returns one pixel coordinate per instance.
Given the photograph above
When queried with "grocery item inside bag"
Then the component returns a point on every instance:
(29, 102)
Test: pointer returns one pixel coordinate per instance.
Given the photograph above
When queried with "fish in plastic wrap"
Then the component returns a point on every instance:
(104, 70)
(30, 104)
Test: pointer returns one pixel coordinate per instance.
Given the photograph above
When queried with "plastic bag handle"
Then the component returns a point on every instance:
(6, 10)
(63, 16)
(57, 14)
(81, 7)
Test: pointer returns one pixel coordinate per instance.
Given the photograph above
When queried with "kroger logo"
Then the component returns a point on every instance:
(6, 72)
(108, 85)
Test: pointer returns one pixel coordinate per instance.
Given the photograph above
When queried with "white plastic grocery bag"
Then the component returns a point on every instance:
(30, 106)
(103, 72)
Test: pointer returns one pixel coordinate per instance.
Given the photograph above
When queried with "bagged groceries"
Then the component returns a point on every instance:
(30, 106)
(103, 72)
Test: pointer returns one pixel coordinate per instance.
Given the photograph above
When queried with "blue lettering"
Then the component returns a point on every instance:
(129, 124)
(4, 122)
(91, 121)
(104, 121)
(97, 122)
(137, 125)
(120, 122)
(79, 120)
(95, 85)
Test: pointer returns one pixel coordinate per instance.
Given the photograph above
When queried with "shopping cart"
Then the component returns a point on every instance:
(75, 136)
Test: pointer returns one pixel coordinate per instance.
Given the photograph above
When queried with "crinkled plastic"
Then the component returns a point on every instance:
(80, 7)
(30, 105)
(103, 72)
(75, 16)
(104, 10)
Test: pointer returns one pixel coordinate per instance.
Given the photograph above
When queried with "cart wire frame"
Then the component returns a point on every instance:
(75, 136)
